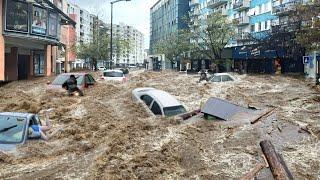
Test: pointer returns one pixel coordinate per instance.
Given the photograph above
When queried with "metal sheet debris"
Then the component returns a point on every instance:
(228, 111)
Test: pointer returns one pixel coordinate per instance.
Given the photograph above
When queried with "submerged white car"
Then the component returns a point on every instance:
(114, 75)
(158, 102)
(221, 77)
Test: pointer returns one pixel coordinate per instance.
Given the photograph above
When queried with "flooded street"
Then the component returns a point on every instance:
(105, 135)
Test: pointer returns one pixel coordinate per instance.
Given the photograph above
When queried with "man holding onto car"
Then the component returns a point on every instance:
(71, 86)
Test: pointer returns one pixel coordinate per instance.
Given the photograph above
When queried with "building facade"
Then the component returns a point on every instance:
(30, 35)
(255, 19)
(84, 29)
(167, 17)
(135, 54)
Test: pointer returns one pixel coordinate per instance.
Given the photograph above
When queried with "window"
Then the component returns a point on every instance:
(172, 111)
(147, 99)
(269, 24)
(38, 63)
(252, 28)
(266, 25)
(226, 78)
(12, 129)
(39, 20)
(216, 79)
(17, 16)
(263, 26)
(89, 80)
(259, 26)
(156, 108)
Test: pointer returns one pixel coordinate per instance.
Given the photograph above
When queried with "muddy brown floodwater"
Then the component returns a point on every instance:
(104, 135)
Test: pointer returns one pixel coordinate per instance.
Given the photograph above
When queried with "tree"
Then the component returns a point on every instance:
(309, 34)
(175, 45)
(211, 38)
(99, 48)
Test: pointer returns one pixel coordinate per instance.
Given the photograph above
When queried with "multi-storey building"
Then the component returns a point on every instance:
(30, 35)
(135, 54)
(166, 17)
(84, 31)
(254, 20)
(85, 27)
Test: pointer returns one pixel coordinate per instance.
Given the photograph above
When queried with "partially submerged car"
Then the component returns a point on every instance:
(84, 80)
(221, 77)
(14, 128)
(158, 102)
(102, 68)
(114, 75)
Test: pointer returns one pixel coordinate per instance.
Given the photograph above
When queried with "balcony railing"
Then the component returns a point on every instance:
(215, 3)
(242, 20)
(241, 5)
(223, 12)
(285, 8)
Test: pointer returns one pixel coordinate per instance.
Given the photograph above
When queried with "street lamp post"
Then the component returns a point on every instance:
(111, 35)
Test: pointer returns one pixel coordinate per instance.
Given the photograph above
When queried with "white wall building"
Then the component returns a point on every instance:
(136, 42)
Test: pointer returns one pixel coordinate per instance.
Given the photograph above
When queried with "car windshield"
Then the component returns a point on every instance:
(11, 129)
(174, 110)
(112, 74)
(63, 78)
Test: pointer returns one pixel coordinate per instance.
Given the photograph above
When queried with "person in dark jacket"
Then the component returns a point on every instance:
(71, 86)
(203, 76)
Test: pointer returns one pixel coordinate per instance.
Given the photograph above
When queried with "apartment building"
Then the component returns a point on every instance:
(133, 56)
(255, 19)
(166, 17)
(84, 28)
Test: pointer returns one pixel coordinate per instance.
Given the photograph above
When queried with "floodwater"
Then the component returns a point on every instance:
(104, 135)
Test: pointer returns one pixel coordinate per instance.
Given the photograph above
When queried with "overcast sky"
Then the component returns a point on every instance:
(135, 13)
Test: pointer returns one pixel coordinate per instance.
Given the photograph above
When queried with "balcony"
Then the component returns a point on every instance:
(241, 5)
(244, 36)
(284, 9)
(241, 21)
(222, 11)
(216, 3)
(193, 3)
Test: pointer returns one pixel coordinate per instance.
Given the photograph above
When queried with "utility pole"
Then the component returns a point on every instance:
(111, 35)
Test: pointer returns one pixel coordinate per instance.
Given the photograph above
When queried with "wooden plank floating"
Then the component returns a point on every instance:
(278, 167)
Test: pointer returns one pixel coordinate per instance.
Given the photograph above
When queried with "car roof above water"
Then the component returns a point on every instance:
(164, 98)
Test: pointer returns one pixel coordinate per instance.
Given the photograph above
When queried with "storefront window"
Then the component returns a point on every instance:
(39, 20)
(53, 19)
(17, 16)
(38, 63)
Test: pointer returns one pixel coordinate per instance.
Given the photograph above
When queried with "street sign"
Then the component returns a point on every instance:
(306, 59)
(318, 58)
